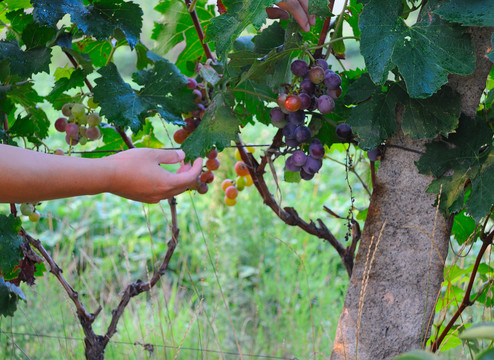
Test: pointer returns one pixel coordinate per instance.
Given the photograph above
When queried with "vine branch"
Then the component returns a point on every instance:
(288, 214)
(486, 242)
(198, 27)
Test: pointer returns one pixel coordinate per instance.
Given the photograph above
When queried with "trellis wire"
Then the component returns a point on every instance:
(145, 345)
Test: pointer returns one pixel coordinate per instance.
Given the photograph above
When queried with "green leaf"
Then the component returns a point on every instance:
(100, 19)
(25, 63)
(463, 228)
(98, 51)
(271, 37)
(36, 35)
(223, 29)
(219, 127)
(416, 355)
(479, 331)
(292, 177)
(252, 97)
(319, 8)
(163, 91)
(468, 12)
(469, 154)
(374, 120)
(63, 84)
(487, 354)
(9, 296)
(10, 242)
(361, 89)
(426, 118)
(424, 53)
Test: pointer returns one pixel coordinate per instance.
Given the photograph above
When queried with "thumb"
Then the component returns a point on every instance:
(169, 156)
(189, 175)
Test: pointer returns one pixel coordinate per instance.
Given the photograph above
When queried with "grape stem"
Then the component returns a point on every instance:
(486, 242)
(288, 214)
(198, 27)
(324, 31)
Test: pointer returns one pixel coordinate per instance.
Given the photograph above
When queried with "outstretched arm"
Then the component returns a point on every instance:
(136, 174)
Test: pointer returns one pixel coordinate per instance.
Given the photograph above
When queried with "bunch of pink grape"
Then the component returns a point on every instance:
(80, 124)
(207, 175)
(317, 89)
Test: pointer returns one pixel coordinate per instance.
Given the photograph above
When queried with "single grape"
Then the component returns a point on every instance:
(194, 185)
(312, 165)
(27, 209)
(374, 154)
(292, 142)
(275, 13)
(230, 202)
(72, 140)
(180, 135)
(241, 168)
(190, 124)
(316, 149)
(91, 104)
(307, 86)
(35, 216)
(198, 95)
(299, 68)
(323, 64)
(302, 134)
(299, 158)
(72, 130)
(58, 152)
(289, 131)
(249, 180)
(212, 164)
(290, 166)
(191, 83)
(241, 182)
(305, 100)
(334, 93)
(277, 117)
(344, 131)
(305, 175)
(207, 177)
(199, 112)
(325, 104)
(67, 109)
(61, 124)
(93, 133)
(81, 119)
(226, 183)
(93, 119)
(231, 192)
(212, 154)
(203, 188)
(316, 75)
(292, 103)
(331, 79)
(296, 117)
(82, 140)
(82, 131)
(78, 110)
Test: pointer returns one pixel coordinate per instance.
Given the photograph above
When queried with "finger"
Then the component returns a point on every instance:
(312, 20)
(277, 13)
(169, 156)
(299, 13)
(189, 176)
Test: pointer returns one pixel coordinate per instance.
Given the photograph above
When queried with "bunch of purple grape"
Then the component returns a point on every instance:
(79, 125)
(318, 88)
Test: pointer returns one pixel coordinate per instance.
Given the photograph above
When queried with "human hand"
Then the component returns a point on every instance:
(299, 10)
(137, 174)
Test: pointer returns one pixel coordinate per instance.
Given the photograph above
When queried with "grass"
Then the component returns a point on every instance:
(238, 276)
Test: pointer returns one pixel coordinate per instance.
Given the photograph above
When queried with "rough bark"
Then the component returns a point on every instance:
(396, 289)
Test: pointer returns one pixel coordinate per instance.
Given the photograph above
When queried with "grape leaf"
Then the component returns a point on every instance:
(424, 53)
(374, 120)
(463, 227)
(177, 28)
(426, 118)
(223, 29)
(10, 242)
(469, 154)
(359, 90)
(271, 37)
(99, 19)
(252, 97)
(63, 84)
(319, 8)
(25, 63)
(467, 12)
(9, 296)
(218, 127)
(163, 91)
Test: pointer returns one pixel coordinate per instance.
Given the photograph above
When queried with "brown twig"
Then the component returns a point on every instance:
(76, 65)
(486, 242)
(324, 32)
(199, 30)
(288, 214)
